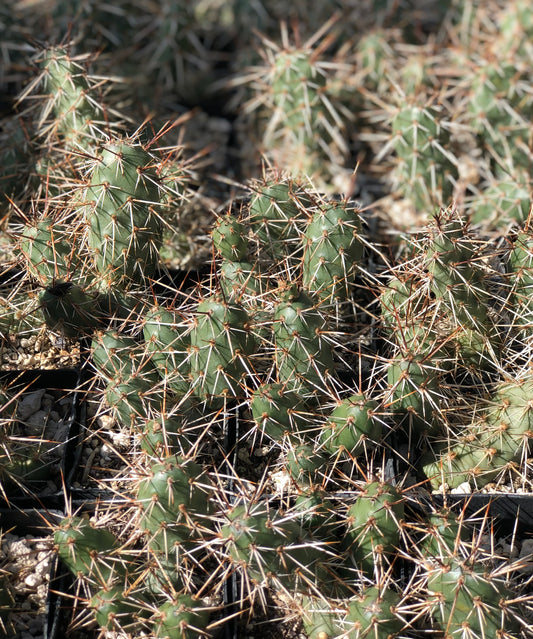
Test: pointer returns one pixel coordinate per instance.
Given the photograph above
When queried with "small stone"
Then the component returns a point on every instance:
(526, 557)
(463, 488)
(106, 421)
(33, 580)
(37, 420)
(29, 404)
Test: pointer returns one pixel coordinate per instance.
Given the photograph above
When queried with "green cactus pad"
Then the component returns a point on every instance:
(184, 617)
(333, 251)
(229, 238)
(87, 550)
(373, 615)
(221, 341)
(373, 533)
(466, 598)
(352, 426)
(125, 227)
(303, 356)
(277, 411)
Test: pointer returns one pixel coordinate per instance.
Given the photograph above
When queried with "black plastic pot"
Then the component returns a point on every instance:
(59, 458)
(508, 511)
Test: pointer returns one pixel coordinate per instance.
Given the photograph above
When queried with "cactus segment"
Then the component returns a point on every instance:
(277, 214)
(319, 619)
(119, 357)
(373, 526)
(88, 550)
(132, 400)
(125, 228)
(173, 503)
(229, 239)
(374, 614)
(277, 411)
(112, 610)
(333, 251)
(185, 617)
(415, 391)
(221, 342)
(306, 465)
(490, 445)
(352, 426)
(303, 357)
(240, 281)
(467, 599)
(424, 162)
(167, 345)
(50, 255)
(77, 115)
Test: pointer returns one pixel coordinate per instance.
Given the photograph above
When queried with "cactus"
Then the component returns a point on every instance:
(272, 549)
(277, 212)
(425, 163)
(503, 202)
(374, 613)
(299, 302)
(167, 347)
(468, 599)
(319, 619)
(221, 341)
(487, 447)
(184, 617)
(498, 108)
(332, 253)
(301, 119)
(125, 228)
(49, 254)
(373, 527)
(174, 505)
(69, 309)
(277, 411)
(77, 116)
(229, 239)
(520, 272)
(306, 465)
(111, 609)
(352, 426)
(304, 359)
(89, 551)
(444, 304)
(414, 391)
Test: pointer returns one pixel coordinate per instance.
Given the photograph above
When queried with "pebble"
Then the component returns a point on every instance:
(37, 420)
(15, 549)
(30, 404)
(463, 488)
(526, 557)
(33, 580)
(105, 421)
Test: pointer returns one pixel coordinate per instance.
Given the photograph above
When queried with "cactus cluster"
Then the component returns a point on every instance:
(273, 353)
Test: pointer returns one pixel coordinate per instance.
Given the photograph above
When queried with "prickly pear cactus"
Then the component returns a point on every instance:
(77, 116)
(467, 598)
(424, 163)
(373, 527)
(489, 446)
(124, 223)
(302, 121)
(304, 358)
(333, 251)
